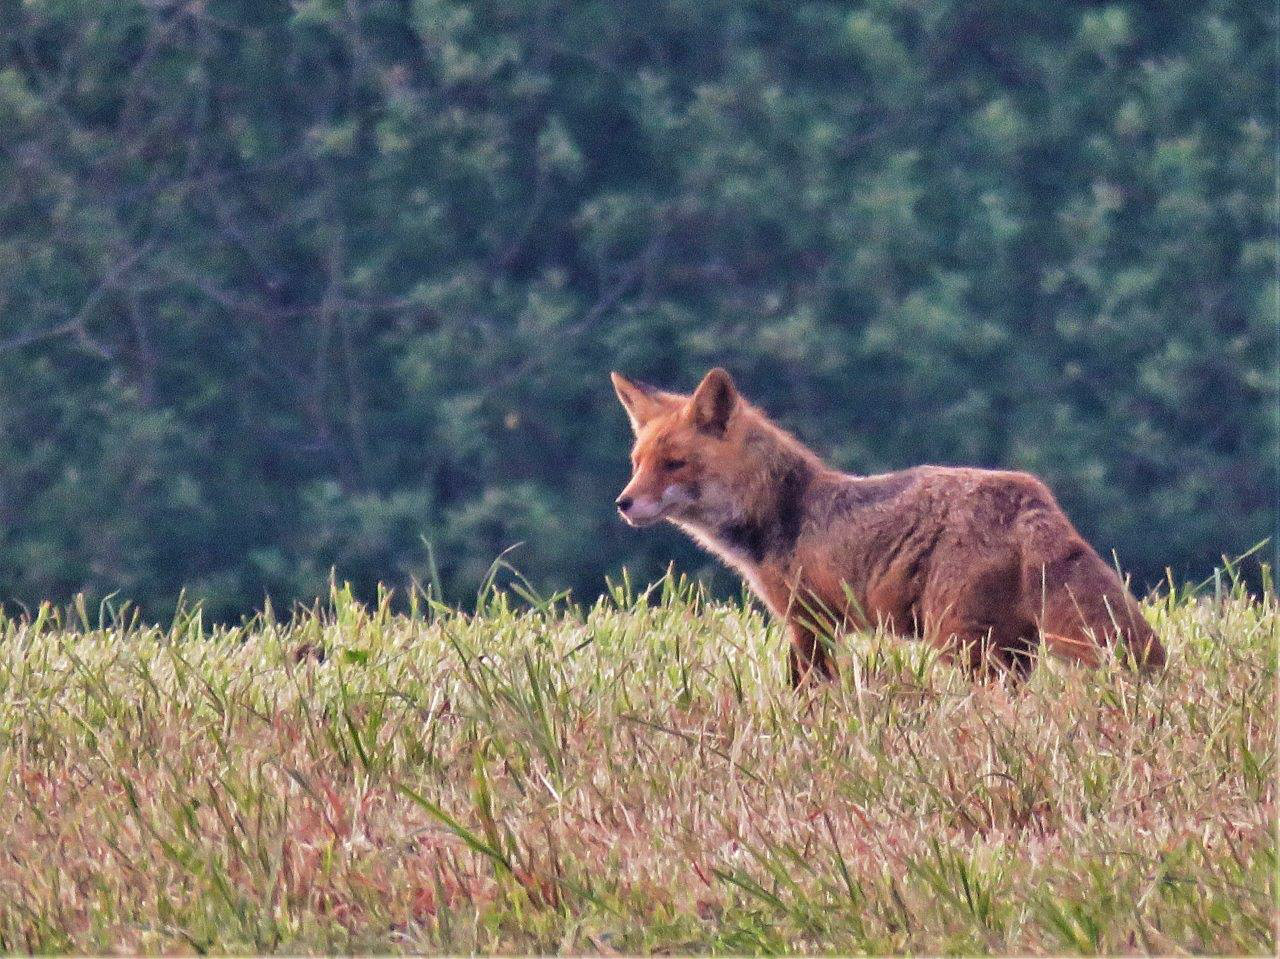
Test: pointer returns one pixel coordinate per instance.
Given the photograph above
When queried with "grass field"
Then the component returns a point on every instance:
(633, 777)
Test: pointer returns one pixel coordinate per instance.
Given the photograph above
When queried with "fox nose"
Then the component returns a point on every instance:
(624, 503)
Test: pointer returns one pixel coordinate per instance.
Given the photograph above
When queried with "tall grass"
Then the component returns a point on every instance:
(631, 777)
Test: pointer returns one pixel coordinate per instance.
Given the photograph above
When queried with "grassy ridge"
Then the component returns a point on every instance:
(631, 777)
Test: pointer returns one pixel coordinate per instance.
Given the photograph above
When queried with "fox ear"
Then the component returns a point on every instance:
(641, 401)
(714, 401)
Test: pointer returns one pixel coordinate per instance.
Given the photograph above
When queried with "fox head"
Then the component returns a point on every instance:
(692, 460)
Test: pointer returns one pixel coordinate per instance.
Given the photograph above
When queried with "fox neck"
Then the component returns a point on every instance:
(765, 523)
(772, 527)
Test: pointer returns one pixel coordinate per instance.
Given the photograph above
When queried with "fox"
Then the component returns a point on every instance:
(982, 564)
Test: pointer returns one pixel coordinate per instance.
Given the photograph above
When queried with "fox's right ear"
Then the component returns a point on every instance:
(641, 401)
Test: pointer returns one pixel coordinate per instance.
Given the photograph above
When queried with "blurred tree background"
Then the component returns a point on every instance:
(293, 286)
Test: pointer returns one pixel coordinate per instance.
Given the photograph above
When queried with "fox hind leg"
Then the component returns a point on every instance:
(988, 651)
(1083, 607)
(979, 623)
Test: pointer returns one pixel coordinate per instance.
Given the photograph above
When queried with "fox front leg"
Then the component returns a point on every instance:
(808, 657)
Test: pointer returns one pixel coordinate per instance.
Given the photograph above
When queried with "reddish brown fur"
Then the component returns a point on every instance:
(980, 563)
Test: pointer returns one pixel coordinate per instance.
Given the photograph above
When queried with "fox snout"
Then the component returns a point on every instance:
(638, 510)
(624, 504)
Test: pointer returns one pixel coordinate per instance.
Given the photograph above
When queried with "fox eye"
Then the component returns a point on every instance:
(673, 464)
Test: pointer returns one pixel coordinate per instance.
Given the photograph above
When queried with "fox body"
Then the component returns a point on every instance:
(980, 563)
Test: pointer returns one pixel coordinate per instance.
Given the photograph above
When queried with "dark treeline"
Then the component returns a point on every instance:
(293, 286)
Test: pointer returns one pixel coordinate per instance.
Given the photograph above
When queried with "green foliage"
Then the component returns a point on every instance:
(292, 286)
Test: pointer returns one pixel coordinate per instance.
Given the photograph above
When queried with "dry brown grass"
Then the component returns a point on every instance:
(630, 778)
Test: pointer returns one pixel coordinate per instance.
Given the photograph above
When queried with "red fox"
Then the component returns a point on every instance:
(980, 563)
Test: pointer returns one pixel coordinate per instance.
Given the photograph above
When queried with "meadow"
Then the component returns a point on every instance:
(632, 776)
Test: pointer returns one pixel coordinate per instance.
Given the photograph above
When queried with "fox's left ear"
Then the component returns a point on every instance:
(713, 402)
